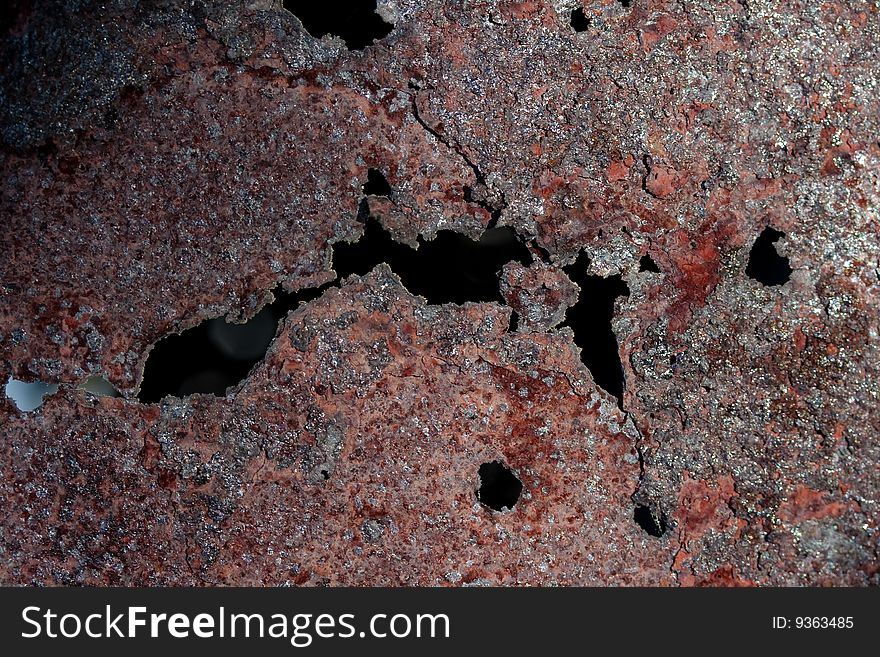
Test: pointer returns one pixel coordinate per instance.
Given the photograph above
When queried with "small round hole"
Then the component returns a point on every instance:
(499, 487)
(655, 525)
(579, 22)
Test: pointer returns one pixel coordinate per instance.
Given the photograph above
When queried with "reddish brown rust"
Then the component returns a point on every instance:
(539, 294)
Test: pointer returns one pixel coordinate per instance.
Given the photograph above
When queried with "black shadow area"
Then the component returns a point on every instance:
(765, 264)
(355, 21)
(590, 320)
(499, 487)
(451, 268)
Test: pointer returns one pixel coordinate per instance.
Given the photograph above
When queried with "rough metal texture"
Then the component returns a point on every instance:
(167, 162)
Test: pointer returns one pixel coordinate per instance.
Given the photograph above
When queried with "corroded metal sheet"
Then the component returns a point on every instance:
(165, 163)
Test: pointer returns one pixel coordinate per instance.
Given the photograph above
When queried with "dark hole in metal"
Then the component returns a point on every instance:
(765, 264)
(652, 524)
(376, 184)
(590, 320)
(451, 268)
(579, 22)
(646, 263)
(499, 487)
(355, 22)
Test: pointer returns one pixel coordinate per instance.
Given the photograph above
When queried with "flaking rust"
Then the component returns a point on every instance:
(162, 165)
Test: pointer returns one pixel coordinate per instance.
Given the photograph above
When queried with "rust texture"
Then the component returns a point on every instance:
(164, 163)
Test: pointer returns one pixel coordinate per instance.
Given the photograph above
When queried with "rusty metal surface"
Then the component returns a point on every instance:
(165, 163)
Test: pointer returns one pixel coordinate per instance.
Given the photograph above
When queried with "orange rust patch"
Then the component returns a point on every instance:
(703, 506)
(619, 169)
(662, 181)
(698, 269)
(808, 504)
